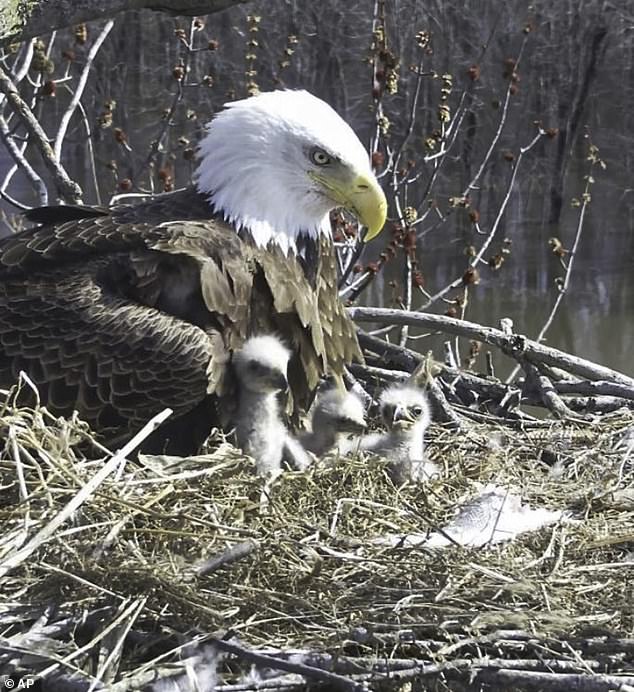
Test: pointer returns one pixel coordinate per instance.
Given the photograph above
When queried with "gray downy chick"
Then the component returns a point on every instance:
(261, 372)
(406, 415)
(336, 414)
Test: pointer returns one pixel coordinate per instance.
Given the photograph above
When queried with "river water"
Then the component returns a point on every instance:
(595, 320)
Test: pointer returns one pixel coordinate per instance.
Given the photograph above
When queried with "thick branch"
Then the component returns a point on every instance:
(68, 189)
(513, 345)
(542, 681)
(594, 388)
(547, 392)
(24, 19)
(397, 356)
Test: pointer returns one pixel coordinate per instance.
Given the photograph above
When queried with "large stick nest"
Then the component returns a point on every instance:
(166, 555)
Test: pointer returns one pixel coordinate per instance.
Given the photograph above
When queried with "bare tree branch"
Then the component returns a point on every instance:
(79, 90)
(21, 162)
(513, 345)
(334, 681)
(491, 234)
(68, 189)
(547, 392)
(564, 285)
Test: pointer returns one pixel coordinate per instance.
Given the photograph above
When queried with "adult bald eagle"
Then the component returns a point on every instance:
(119, 313)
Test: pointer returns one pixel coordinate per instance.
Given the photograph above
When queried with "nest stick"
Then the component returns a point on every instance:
(47, 532)
(336, 682)
(513, 345)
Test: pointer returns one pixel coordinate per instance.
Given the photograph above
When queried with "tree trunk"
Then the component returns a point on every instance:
(24, 19)
(568, 131)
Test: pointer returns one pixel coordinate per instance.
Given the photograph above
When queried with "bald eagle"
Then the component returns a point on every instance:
(118, 313)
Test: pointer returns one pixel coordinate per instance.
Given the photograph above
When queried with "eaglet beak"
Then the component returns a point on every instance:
(401, 417)
(359, 193)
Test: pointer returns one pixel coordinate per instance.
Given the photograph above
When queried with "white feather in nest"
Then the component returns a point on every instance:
(495, 515)
(201, 674)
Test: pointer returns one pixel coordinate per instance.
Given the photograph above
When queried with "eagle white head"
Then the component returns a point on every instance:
(276, 164)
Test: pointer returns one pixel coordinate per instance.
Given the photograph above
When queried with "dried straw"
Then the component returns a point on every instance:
(116, 572)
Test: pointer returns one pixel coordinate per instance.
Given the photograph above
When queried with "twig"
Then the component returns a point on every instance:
(400, 356)
(571, 261)
(478, 664)
(450, 357)
(409, 130)
(283, 683)
(519, 640)
(336, 682)
(462, 387)
(512, 345)
(14, 203)
(67, 188)
(498, 133)
(48, 531)
(456, 283)
(79, 90)
(356, 387)
(21, 162)
(134, 611)
(442, 409)
(403, 361)
(227, 557)
(21, 72)
(563, 289)
(91, 153)
(176, 99)
(368, 372)
(547, 392)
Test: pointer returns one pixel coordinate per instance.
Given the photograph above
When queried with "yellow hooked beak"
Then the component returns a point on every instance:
(359, 193)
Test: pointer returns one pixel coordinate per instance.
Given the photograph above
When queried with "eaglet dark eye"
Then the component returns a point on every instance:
(417, 410)
(319, 157)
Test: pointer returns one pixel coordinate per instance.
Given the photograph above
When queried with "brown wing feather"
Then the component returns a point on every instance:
(295, 315)
(119, 316)
(117, 362)
(340, 337)
(110, 318)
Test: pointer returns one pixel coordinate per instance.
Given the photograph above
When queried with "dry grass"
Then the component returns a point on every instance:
(114, 591)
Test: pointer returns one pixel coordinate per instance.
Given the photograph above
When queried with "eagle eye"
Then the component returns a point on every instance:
(417, 410)
(320, 157)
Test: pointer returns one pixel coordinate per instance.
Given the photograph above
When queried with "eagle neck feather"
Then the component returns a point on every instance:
(268, 221)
